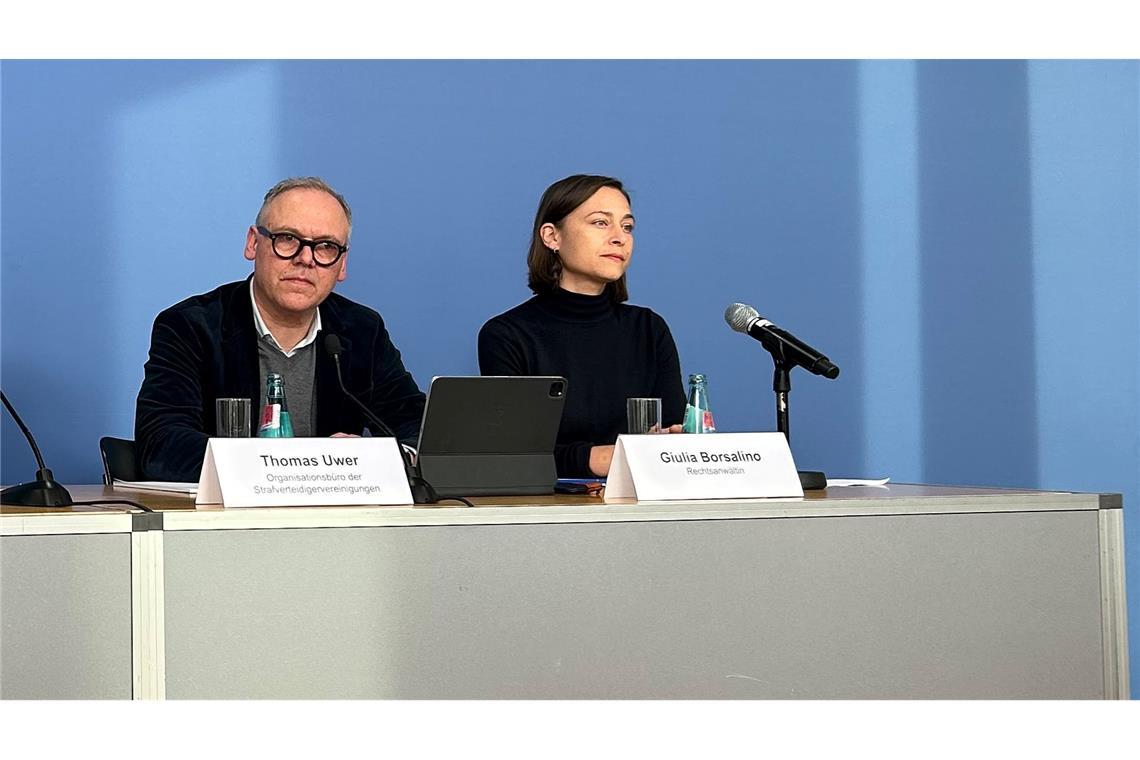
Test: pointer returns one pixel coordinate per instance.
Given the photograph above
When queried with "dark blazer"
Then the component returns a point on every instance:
(205, 348)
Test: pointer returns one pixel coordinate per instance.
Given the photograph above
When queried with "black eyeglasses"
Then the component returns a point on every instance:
(287, 245)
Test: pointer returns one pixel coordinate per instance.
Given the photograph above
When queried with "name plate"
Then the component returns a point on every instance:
(294, 472)
(670, 467)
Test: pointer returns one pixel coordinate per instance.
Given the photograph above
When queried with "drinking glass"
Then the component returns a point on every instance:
(232, 417)
(643, 415)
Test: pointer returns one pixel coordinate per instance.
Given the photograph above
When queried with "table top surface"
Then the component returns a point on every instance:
(171, 502)
(178, 512)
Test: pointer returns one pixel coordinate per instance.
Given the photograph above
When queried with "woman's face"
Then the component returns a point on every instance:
(595, 242)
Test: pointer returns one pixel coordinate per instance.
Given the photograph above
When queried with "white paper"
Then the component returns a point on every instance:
(714, 466)
(844, 482)
(166, 486)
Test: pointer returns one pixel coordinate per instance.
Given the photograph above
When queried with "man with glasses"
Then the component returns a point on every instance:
(222, 344)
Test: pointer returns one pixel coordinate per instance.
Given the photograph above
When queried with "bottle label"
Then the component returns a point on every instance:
(698, 420)
(271, 417)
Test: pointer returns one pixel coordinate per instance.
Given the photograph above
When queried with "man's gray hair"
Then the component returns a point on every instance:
(307, 183)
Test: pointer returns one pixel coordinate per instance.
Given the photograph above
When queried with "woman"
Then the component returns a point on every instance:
(578, 325)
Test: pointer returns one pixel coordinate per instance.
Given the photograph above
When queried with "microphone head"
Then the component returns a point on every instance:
(332, 345)
(741, 316)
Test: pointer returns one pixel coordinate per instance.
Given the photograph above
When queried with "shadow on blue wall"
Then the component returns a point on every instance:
(78, 269)
(979, 400)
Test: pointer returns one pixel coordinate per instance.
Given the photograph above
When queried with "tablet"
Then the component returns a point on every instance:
(489, 436)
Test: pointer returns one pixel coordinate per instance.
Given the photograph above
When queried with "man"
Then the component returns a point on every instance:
(222, 344)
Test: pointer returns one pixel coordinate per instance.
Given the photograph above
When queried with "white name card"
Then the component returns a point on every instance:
(294, 472)
(713, 466)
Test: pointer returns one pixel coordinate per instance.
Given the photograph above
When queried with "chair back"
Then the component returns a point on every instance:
(119, 461)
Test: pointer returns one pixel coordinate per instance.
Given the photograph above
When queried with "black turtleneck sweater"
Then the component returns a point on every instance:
(607, 352)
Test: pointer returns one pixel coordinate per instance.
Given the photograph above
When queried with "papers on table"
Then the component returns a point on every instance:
(842, 482)
(158, 485)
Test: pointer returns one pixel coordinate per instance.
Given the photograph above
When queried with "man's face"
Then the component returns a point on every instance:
(295, 287)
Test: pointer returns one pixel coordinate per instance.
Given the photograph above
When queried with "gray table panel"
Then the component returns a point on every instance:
(65, 622)
(937, 606)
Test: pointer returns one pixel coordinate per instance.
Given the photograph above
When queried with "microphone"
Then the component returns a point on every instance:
(334, 349)
(422, 492)
(43, 491)
(783, 345)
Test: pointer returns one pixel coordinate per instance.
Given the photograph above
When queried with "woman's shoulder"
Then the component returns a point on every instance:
(514, 317)
(642, 314)
(519, 310)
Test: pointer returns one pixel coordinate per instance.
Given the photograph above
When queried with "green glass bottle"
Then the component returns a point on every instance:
(698, 415)
(275, 422)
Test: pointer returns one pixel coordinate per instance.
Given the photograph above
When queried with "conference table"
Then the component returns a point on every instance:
(901, 591)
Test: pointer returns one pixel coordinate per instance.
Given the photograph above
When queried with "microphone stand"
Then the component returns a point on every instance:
(422, 491)
(810, 480)
(44, 491)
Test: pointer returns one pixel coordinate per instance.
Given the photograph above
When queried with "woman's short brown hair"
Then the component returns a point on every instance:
(559, 201)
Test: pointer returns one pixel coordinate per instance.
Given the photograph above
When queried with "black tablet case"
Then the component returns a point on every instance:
(491, 436)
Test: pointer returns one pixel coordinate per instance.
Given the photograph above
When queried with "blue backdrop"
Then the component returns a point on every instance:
(962, 238)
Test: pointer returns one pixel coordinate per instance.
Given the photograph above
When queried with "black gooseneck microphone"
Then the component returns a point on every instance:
(422, 492)
(780, 343)
(41, 492)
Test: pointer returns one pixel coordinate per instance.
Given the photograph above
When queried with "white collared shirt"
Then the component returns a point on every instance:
(263, 331)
